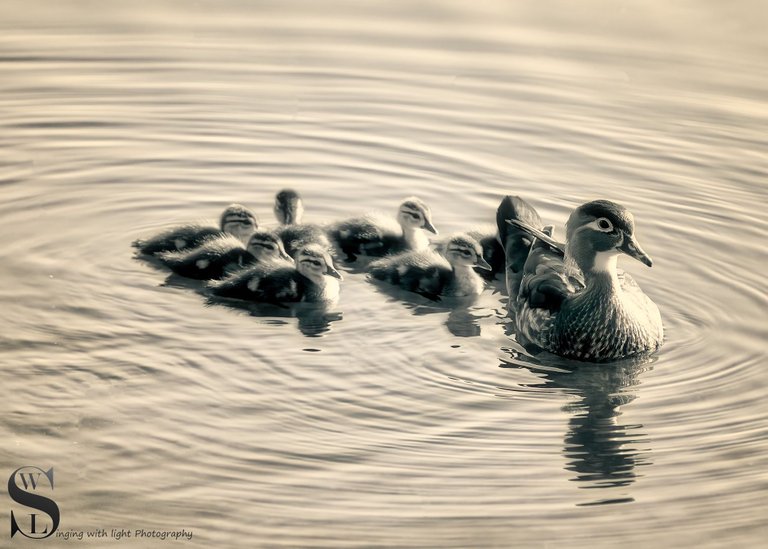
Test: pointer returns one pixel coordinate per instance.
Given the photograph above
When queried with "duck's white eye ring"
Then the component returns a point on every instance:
(604, 225)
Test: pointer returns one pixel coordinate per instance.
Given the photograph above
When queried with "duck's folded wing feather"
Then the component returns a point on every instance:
(546, 282)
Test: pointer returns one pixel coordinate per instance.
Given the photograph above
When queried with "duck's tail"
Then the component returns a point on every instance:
(515, 241)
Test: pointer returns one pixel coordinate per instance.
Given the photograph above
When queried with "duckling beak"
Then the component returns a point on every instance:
(330, 271)
(429, 227)
(633, 249)
(283, 254)
(483, 264)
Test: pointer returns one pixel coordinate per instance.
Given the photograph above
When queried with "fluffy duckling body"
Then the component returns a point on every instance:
(431, 274)
(377, 235)
(289, 210)
(572, 300)
(218, 257)
(236, 220)
(312, 278)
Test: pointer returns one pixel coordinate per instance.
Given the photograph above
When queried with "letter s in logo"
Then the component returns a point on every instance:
(22, 487)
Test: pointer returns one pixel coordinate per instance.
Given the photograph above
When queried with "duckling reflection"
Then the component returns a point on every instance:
(313, 319)
(236, 220)
(600, 451)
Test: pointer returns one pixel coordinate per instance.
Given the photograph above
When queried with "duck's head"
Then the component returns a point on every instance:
(314, 262)
(266, 246)
(239, 221)
(597, 232)
(289, 208)
(414, 214)
(462, 250)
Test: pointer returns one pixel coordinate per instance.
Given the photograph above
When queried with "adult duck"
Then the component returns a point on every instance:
(572, 299)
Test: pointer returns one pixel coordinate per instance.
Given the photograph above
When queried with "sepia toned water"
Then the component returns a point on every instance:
(389, 420)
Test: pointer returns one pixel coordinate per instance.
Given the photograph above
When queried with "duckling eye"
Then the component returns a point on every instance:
(465, 253)
(604, 224)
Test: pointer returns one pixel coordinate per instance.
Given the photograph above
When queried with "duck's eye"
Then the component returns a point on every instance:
(466, 253)
(604, 224)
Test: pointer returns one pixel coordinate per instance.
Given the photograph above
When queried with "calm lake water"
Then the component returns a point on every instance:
(388, 420)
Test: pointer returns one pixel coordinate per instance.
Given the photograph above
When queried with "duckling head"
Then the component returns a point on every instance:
(597, 232)
(266, 246)
(314, 262)
(239, 221)
(415, 214)
(464, 251)
(289, 208)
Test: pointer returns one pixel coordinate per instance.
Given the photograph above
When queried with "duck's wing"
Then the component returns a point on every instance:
(545, 284)
(546, 280)
(515, 239)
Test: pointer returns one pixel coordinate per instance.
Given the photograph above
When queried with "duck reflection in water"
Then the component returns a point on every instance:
(464, 316)
(600, 451)
(314, 319)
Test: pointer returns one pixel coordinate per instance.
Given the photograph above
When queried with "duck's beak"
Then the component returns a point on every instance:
(283, 254)
(331, 271)
(429, 227)
(633, 249)
(483, 264)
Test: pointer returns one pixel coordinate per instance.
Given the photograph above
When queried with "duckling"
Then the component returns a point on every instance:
(431, 274)
(493, 252)
(221, 256)
(236, 220)
(376, 235)
(312, 278)
(572, 300)
(289, 209)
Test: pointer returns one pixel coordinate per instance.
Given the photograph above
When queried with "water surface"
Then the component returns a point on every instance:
(389, 420)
